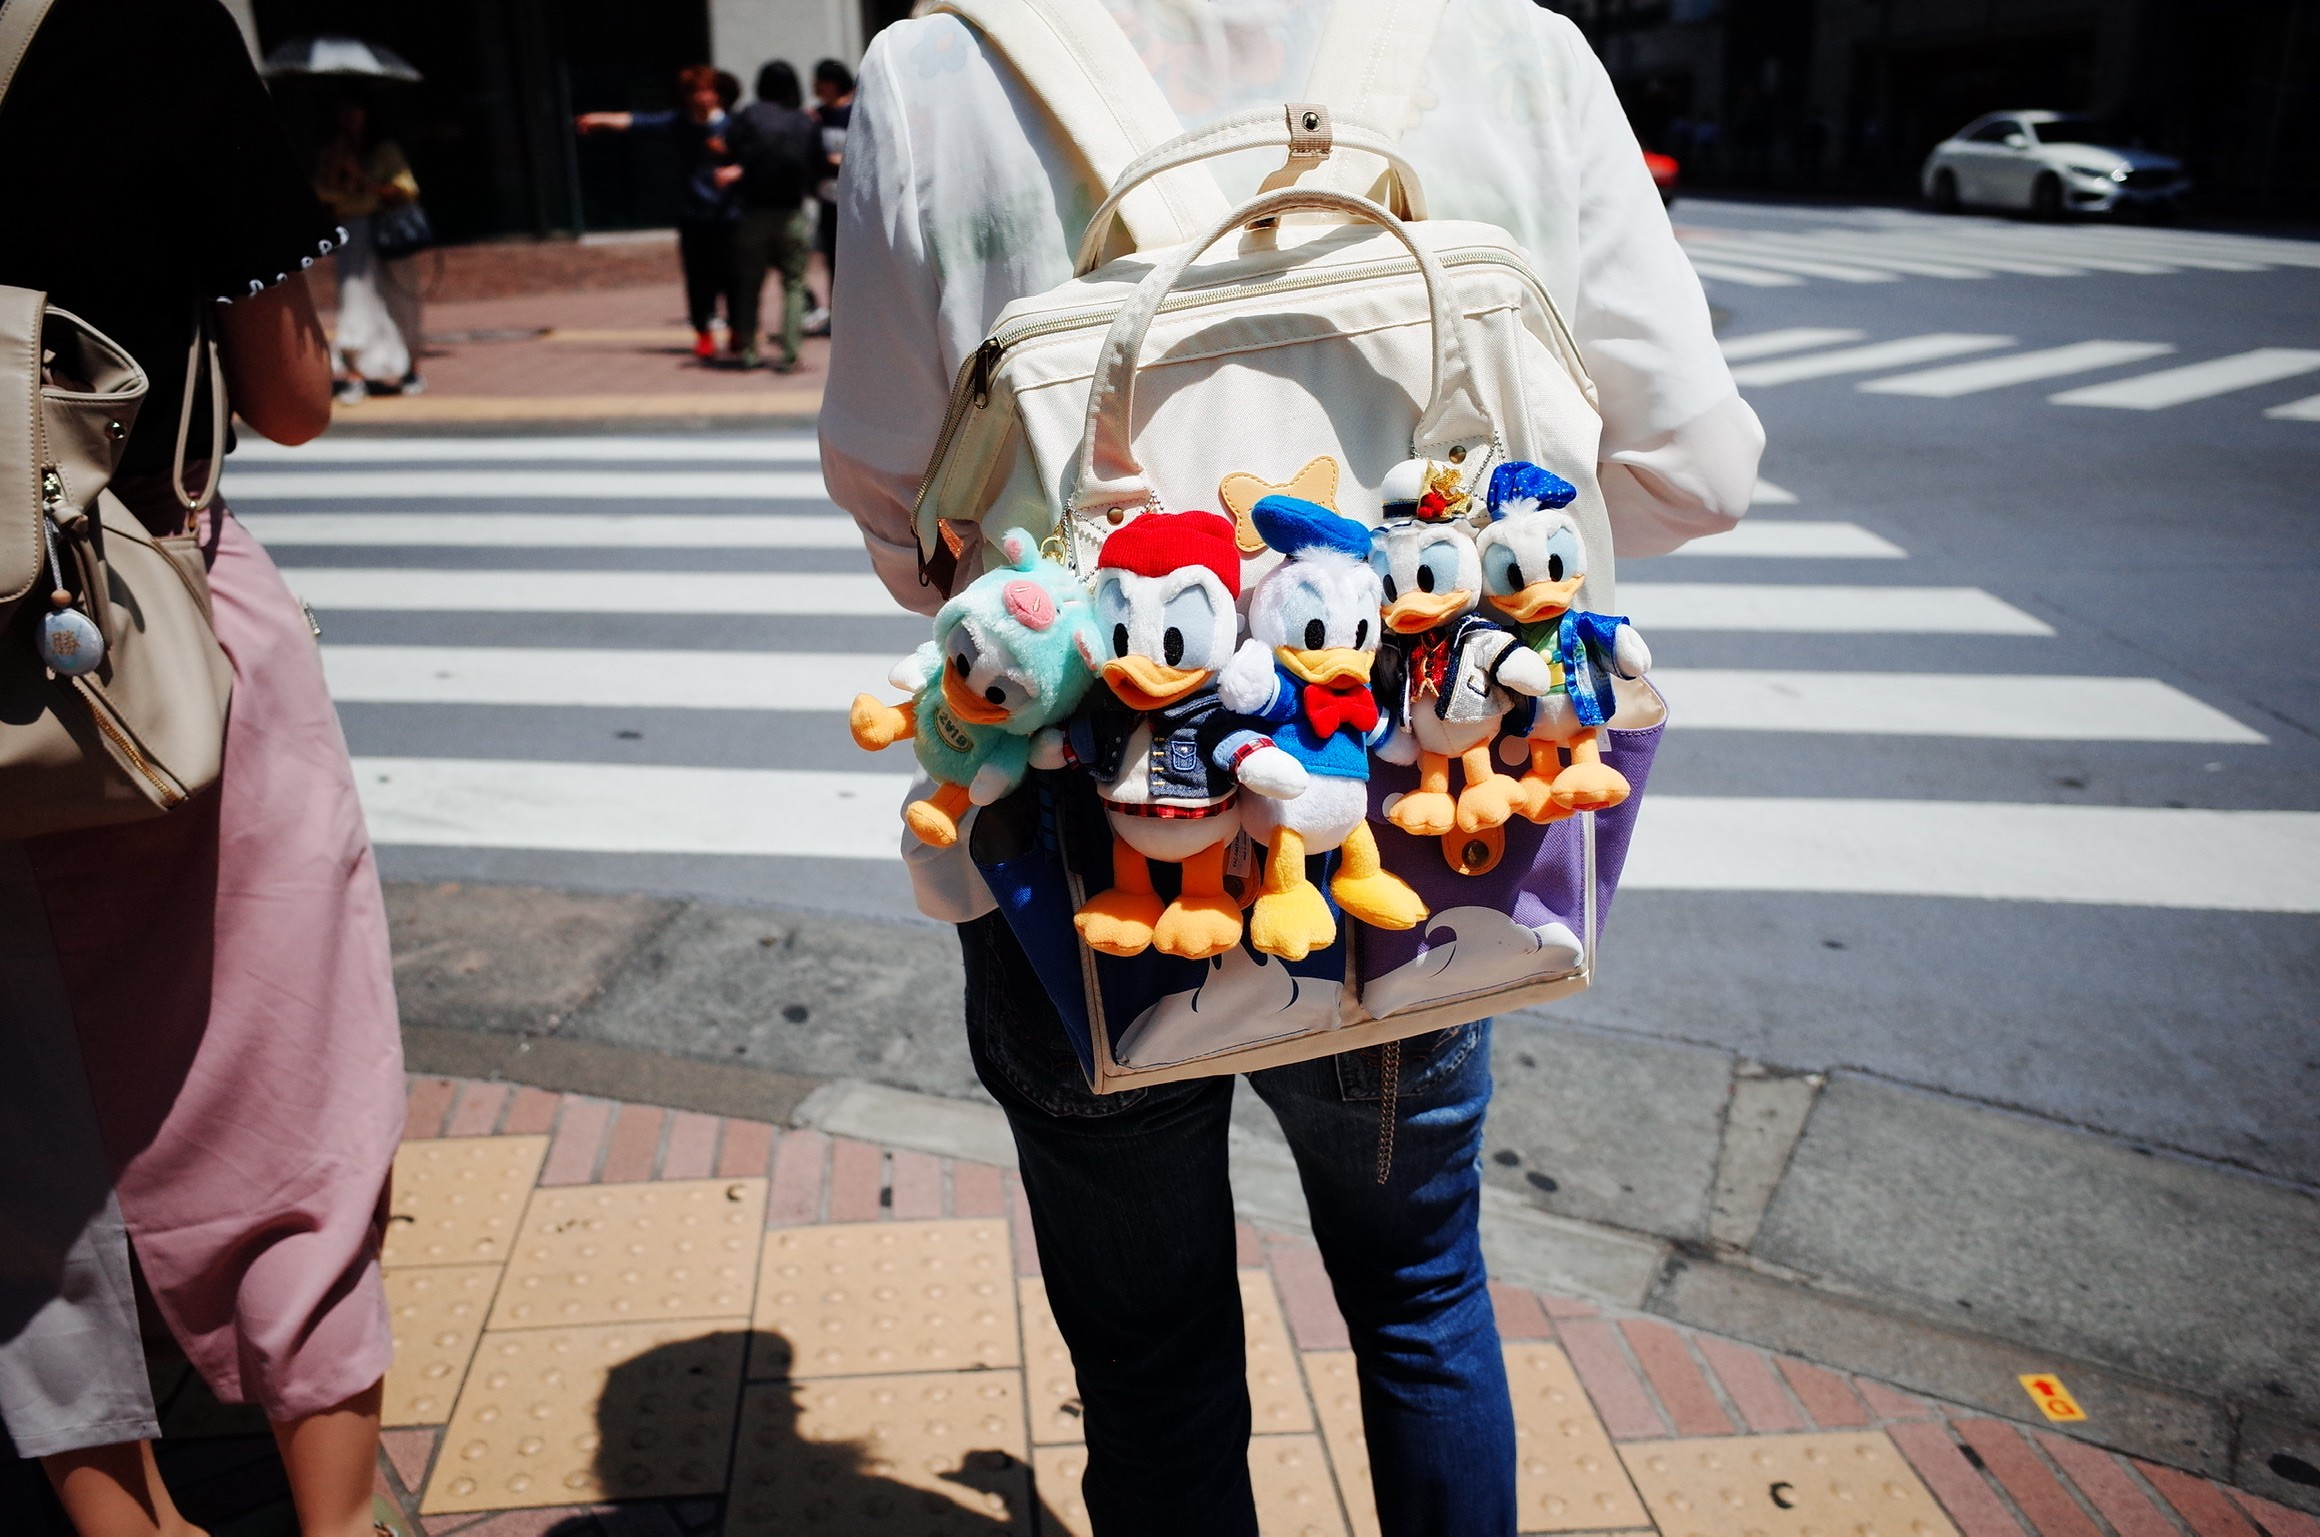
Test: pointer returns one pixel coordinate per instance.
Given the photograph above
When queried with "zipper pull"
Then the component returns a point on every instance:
(986, 359)
(52, 491)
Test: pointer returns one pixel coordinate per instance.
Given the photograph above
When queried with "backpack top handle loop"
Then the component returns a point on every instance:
(1110, 478)
(1259, 128)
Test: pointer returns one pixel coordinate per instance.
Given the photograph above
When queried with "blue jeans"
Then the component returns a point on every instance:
(1133, 1211)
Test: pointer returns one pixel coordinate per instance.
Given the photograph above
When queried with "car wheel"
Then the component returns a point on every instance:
(2046, 196)
(1945, 193)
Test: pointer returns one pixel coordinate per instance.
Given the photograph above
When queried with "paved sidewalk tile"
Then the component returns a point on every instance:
(718, 1326)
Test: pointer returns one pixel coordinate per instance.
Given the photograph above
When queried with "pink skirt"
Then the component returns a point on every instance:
(230, 981)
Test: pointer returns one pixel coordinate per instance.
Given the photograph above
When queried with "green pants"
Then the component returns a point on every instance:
(778, 238)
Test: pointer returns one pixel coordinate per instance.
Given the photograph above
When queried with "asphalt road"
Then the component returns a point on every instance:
(2071, 866)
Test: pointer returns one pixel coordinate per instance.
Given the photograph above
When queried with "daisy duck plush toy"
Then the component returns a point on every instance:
(1304, 670)
(1169, 759)
(1459, 673)
(1532, 564)
(1008, 658)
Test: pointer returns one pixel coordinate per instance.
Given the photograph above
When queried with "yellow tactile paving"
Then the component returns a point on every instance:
(1337, 1400)
(855, 1298)
(611, 1253)
(1277, 1399)
(1289, 1475)
(1295, 1495)
(1567, 1476)
(457, 1200)
(1058, 1470)
(1784, 1486)
(1047, 1371)
(922, 1454)
(567, 1416)
(438, 1313)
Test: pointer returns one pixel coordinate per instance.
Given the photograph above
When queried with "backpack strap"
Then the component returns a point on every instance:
(1368, 68)
(1082, 67)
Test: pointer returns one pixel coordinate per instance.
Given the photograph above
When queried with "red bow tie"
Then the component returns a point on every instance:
(1328, 708)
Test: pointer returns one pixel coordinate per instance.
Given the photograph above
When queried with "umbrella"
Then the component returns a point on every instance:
(339, 56)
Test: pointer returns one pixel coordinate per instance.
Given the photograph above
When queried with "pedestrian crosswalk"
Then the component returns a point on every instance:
(1886, 246)
(409, 648)
(1793, 355)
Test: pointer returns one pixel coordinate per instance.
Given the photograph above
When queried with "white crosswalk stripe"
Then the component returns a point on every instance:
(1898, 244)
(1764, 344)
(1873, 704)
(2015, 368)
(1865, 359)
(563, 485)
(553, 530)
(1767, 609)
(2245, 861)
(2305, 410)
(2195, 381)
(399, 671)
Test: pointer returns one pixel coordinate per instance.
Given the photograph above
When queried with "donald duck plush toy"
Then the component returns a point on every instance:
(1458, 673)
(1532, 564)
(1304, 671)
(1169, 759)
(1008, 658)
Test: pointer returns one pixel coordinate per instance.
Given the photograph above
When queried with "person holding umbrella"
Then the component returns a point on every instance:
(363, 178)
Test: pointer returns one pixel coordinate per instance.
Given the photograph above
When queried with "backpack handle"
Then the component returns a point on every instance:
(1110, 478)
(1260, 128)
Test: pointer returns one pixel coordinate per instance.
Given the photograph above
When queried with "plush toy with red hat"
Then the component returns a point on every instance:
(1170, 760)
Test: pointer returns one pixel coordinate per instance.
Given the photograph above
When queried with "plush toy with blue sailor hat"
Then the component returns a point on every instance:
(1304, 671)
(1008, 659)
(1533, 562)
(1456, 674)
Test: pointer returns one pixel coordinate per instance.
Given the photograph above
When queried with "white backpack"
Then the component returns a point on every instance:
(1181, 358)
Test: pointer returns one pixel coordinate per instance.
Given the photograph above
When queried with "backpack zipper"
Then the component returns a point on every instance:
(971, 391)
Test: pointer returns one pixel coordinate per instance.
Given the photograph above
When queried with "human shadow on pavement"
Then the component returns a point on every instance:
(665, 1416)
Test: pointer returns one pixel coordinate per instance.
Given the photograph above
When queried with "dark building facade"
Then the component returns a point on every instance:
(1849, 95)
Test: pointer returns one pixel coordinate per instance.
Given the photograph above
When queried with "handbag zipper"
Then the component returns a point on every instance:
(167, 794)
(971, 391)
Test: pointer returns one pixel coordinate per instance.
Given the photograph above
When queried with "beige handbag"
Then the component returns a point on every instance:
(143, 731)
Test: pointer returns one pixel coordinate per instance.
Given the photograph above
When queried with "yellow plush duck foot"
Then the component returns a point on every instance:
(1119, 922)
(876, 724)
(1424, 813)
(1292, 924)
(1486, 803)
(1534, 800)
(1590, 787)
(1197, 927)
(935, 827)
(1383, 901)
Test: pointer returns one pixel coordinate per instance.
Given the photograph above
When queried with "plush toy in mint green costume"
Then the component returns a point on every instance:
(1007, 659)
(1532, 564)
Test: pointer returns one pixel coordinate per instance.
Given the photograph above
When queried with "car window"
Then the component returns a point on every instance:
(2087, 130)
(1995, 132)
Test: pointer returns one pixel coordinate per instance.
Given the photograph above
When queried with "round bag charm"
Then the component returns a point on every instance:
(70, 642)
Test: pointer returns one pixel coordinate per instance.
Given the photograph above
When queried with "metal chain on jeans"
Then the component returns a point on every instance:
(1389, 1104)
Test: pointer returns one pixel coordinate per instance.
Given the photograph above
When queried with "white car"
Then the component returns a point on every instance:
(2051, 163)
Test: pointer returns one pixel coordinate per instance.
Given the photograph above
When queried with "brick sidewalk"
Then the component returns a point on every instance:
(615, 1320)
(583, 354)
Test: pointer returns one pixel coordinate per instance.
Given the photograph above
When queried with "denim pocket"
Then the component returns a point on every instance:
(1428, 1062)
(1013, 1032)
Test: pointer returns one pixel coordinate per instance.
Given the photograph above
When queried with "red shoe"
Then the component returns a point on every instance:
(704, 345)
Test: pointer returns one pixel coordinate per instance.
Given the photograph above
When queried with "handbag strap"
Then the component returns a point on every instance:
(200, 351)
(19, 19)
(1082, 67)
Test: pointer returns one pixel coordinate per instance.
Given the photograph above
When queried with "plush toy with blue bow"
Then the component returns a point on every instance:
(1008, 659)
(1533, 562)
(1304, 671)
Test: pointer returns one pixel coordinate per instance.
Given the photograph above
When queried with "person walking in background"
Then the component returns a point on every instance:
(200, 1069)
(707, 207)
(834, 110)
(777, 161)
(380, 328)
(960, 196)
